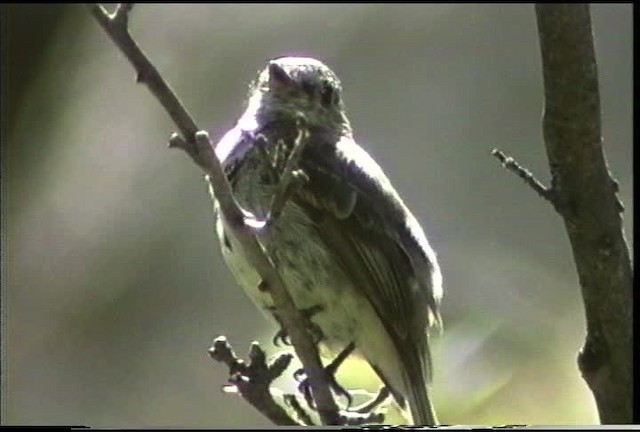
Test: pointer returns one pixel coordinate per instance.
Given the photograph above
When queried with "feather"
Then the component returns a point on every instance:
(369, 230)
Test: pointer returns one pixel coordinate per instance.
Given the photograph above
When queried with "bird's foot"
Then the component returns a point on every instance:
(330, 370)
(378, 400)
(282, 336)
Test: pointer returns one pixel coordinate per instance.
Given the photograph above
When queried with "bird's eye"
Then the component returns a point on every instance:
(328, 95)
(307, 87)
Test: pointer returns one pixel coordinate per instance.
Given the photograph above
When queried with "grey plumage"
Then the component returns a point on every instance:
(345, 241)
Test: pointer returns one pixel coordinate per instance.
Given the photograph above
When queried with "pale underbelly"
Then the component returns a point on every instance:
(314, 279)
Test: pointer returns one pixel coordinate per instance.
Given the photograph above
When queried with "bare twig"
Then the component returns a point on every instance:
(116, 26)
(253, 380)
(197, 144)
(585, 197)
(512, 165)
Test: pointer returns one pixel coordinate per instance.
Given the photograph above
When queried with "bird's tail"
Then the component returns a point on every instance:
(411, 394)
(422, 410)
(416, 380)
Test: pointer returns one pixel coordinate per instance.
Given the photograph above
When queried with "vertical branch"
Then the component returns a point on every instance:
(584, 194)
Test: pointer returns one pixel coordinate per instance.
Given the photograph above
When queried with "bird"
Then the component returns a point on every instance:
(346, 245)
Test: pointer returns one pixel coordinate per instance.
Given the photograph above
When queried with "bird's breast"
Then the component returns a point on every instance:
(312, 274)
(307, 266)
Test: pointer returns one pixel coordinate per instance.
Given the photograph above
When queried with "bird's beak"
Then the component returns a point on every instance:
(278, 77)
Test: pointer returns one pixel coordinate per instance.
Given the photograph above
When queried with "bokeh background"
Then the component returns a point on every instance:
(113, 283)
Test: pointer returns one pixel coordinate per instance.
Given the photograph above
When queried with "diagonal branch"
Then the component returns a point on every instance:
(512, 165)
(198, 146)
(116, 26)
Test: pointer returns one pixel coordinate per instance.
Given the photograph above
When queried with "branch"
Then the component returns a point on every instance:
(198, 146)
(253, 381)
(512, 165)
(117, 27)
(585, 196)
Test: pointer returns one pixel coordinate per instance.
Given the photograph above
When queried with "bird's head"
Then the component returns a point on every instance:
(292, 86)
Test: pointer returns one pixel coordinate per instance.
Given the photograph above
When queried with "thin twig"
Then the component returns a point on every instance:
(116, 26)
(512, 165)
(253, 381)
(197, 144)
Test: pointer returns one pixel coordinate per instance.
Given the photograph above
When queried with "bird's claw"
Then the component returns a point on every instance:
(330, 371)
(305, 387)
(374, 403)
(282, 336)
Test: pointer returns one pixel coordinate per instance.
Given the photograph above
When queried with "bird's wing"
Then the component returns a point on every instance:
(377, 241)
